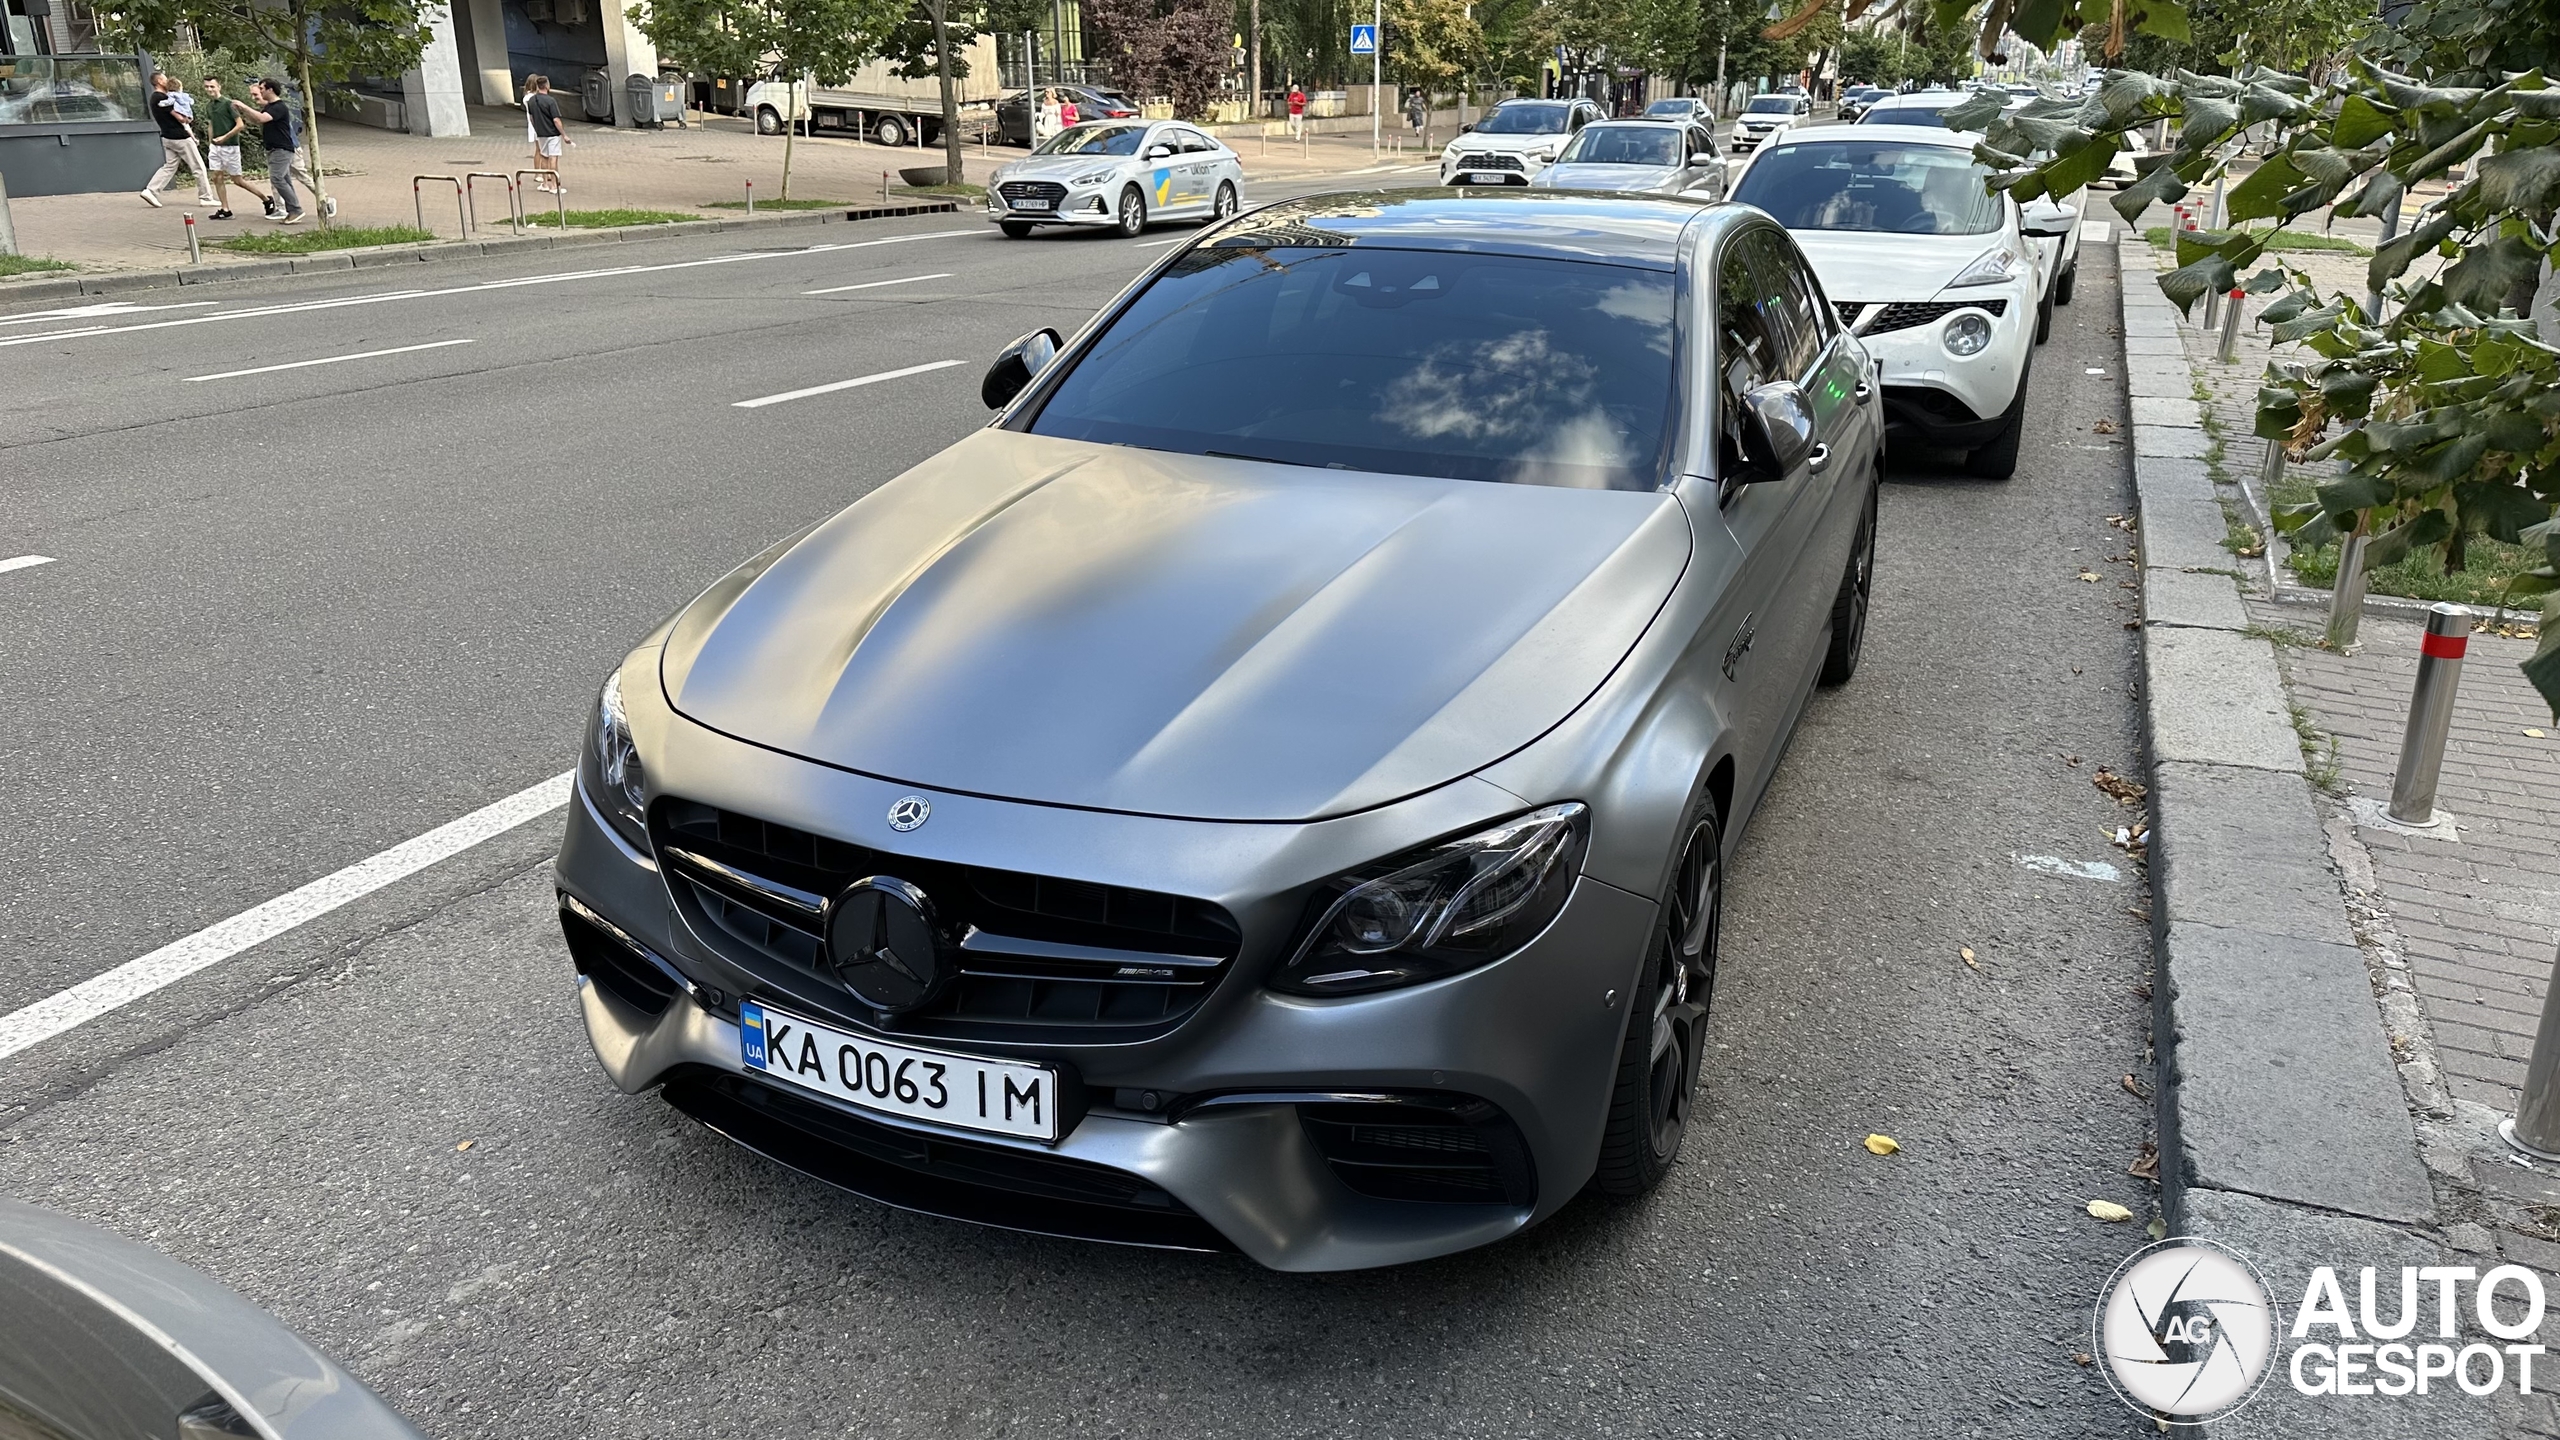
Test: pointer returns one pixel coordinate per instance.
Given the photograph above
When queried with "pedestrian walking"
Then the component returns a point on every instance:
(1044, 118)
(227, 139)
(542, 127)
(1066, 110)
(173, 110)
(1414, 109)
(281, 135)
(1297, 110)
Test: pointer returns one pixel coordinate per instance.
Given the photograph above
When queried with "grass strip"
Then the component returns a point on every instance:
(337, 237)
(2282, 240)
(29, 264)
(782, 204)
(603, 219)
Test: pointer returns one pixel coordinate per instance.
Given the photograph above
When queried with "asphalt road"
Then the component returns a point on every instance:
(297, 617)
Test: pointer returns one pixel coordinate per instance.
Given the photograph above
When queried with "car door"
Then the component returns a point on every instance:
(1705, 175)
(1199, 168)
(1161, 174)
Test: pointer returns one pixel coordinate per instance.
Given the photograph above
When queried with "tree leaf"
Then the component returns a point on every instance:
(2262, 194)
(2109, 1211)
(1977, 112)
(2519, 179)
(2160, 185)
(2352, 492)
(2500, 510)
(2347, 393)
(2393, 545)
(2391, 259)
(2360, 122)
(2486, 274)
(2188, 283)
(1882, 1145)
(2207, 122)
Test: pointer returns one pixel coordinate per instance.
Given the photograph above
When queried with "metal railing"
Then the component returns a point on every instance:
(418, 198)
(559, 197)
(515, 202)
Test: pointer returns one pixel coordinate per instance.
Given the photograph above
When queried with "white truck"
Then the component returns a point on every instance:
(877, 104)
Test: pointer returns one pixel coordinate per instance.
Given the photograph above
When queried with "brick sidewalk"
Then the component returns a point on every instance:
(678, 170)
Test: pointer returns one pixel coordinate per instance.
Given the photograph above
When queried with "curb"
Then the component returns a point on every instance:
(122, 282)
(2285, 1129)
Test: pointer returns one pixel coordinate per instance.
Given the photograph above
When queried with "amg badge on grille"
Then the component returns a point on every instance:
(880, 941)
(909, 812)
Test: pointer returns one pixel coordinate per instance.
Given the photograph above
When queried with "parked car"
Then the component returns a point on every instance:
(1855, 100)
(1640, 157)
(1937, 275)
(1268, 790)
(2057, 242)
(1013, 112)
(1687, 108)
(1510, 145)
(1118, 173)
(1767, 115)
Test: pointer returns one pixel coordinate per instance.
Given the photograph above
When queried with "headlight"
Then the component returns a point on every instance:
(1968, 333)
(1096, 178)
(1995, 266)
(1440, 910)
(610, 769)
(1546, 154)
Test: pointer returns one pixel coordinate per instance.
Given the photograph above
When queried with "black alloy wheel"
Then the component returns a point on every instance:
(1649, 1107)
(1849, 607)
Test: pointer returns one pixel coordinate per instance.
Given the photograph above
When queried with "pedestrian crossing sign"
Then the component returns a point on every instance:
(1364, 39)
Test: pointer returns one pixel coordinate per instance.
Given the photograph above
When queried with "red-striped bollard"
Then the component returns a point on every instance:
(2413, 788)
(195, 252)
(2231, 324)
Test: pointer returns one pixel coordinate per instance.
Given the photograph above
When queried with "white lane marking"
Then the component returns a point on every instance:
(876, 284)
(101, 309)
(327, 360)
(2098, 231)
(2076, 869)
(857, 382)
(24, 562)
(1159, 244)
(218, 942)
(299, 308)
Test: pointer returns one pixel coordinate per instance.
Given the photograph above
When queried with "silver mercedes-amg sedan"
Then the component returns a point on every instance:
(1269, 789)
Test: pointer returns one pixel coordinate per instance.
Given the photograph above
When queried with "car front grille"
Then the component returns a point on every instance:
(1438, 1149)
(1048, 193)
(1040, 958)
(1903, 314)
(1849, 310)
(1487, 162)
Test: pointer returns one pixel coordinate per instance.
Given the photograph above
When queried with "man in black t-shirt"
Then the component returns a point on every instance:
(277, 131)
(542, 127)
(174, 112)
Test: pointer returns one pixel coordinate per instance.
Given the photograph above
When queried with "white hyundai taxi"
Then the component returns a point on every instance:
(1934, 272)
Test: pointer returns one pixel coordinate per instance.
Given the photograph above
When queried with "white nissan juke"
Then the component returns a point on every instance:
(1937, 275)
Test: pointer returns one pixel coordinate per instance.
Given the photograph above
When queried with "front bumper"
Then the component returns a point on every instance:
(1935, 398)
(1746, 140)
(1535, 1036)
(1089, 205)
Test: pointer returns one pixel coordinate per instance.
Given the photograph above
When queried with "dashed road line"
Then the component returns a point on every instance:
(24, 562)
(876, 284)
(218, 942)
(854, 384)
(327, 360)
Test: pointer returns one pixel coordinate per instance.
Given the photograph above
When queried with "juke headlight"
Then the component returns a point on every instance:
(1440, 910)
(1995, 266)
(1968, 333)
(610, 769)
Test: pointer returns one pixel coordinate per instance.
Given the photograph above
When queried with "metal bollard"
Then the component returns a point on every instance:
(751, 199)
(195, 252)
(2212, 309)
(2535, 1127)
(884, 187)
(2346, 591)
(2271, 467)
(2373, 297)
(2231, 324)
(2413, 786)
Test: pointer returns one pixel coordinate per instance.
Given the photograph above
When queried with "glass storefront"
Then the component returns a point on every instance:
(70, 89)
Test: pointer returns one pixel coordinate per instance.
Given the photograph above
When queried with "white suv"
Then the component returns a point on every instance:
(1513, 143)
(1768, 115)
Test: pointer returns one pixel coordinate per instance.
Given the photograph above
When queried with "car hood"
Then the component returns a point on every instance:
(1610, 177)
(1121, 629)
(1867, 266)
(1060, 167)
(1764, 121)
(1476, 141)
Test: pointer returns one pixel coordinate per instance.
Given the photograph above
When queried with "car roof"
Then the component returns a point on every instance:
(1867, 133)
(1642, 231)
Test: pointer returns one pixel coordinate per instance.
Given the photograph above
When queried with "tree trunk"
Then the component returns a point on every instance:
(1253, 61)
(311, 131)
(951, 158)
(790, 126)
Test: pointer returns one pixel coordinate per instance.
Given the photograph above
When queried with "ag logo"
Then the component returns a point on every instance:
(2186, 1330)
(909, 812)
(880, 940)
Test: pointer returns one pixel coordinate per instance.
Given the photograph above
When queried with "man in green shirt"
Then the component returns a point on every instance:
(230, 147)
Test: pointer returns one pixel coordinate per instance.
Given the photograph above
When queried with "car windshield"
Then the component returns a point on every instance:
(1524, 120)
(1670, 107)
(1095, 140)
(1770, 105)
(1905, 115)
(1874, 185)
(1410, 362)
(1624, 145)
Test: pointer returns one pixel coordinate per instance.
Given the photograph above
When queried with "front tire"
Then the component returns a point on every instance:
(1225, 205)
(2069, 282)
(1999, 459)
(1667, 1018)
(768, 120)
(1849, 607)
(2044, 316)
(892, 131)
(1132, 220)
(1014, 229)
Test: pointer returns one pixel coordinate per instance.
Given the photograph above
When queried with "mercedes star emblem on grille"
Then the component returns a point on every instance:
(880, 940)
(909, 812)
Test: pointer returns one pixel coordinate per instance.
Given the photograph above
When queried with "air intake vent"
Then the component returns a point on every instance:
(1437, 1150)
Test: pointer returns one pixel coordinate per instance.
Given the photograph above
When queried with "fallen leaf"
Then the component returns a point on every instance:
(2145, 1166)
(2089, 575)
(2132, 1088)
(2109, 1211)
(2126, 792)
(2083, 1359)
(467, 1144)
(2142, 992)
(2536, 734)
(1967, 952)
(2103, 427)
(1882, 1145)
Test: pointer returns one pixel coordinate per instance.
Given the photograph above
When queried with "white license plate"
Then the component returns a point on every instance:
(1033, 205)
(996, 1096)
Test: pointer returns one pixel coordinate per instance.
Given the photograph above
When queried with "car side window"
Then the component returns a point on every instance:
(1801, 331)
(1750, 346)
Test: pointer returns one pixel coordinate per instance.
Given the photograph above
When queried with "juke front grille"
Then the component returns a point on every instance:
(1904, 314)
(1039, 957)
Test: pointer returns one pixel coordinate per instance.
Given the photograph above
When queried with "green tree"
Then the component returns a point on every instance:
(1175, 48)
(323, 42)
(934, 42)
(1431, 46)
(818, 41)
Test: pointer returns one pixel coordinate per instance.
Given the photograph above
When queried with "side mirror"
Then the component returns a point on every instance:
(1469, 126)
(1015, 366)
(1158, 152)
(2048, 227)
(1777, 425)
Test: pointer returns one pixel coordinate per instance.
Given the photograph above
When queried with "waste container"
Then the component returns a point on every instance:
(654, 102)
(595, 95)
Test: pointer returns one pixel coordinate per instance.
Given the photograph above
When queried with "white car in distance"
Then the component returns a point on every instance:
(1934, 273)
(1639, 157)
(1123, 174)
(1767, 115)
(2061, 246)
(1510, 145)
